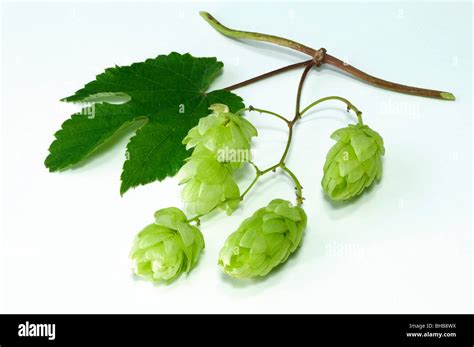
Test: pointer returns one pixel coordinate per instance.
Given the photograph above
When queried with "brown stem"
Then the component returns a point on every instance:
(300, 89)
(297, 111)
(238, 34)
(267, 75)
(320, 57)
(438, 94)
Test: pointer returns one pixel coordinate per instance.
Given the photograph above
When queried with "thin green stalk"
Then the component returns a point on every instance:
(349, 105)
(258, 173)
(271, 168)
(196, 218)
(299, 188)
(251, 108)
(249, 187)
(288, 144)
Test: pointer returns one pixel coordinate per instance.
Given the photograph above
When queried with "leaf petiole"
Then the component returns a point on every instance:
(267, 75)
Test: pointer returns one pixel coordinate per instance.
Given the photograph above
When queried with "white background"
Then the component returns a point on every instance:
(403, 247)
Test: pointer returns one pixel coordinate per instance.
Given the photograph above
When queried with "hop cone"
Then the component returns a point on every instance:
(225, 134)
(353, 163)
(166, 248)
(209, 184)
(264, 240)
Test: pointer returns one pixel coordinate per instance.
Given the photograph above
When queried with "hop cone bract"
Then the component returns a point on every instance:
(353, 163)
(166, 248)
(264, 240)
(209, 183)
(225, 134)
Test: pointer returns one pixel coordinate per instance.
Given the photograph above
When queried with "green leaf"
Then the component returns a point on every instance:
(169, 92)
(81, 134)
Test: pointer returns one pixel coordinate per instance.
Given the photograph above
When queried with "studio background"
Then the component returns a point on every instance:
(403, 247)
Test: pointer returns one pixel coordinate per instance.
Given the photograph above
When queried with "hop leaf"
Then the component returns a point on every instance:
(166, 96)
(209, 183)
(166, 248)
(225, 134)
(353, 163)
(264, 240)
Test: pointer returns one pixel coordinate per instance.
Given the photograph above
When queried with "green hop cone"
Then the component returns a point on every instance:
(167, 248)
(225, 134)
(353, 163)
(264, 240)
(209, 184)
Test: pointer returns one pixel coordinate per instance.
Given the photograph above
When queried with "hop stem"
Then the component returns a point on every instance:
(320, 57)
(238, 34)
(300, 90)
(258, 173)
(291, 124)
(299, 188)
(349, 105)
(267, 75)
(251, 108)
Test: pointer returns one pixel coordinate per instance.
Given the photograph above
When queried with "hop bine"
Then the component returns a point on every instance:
(162, 251)
(264, 240)
(353, 163)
